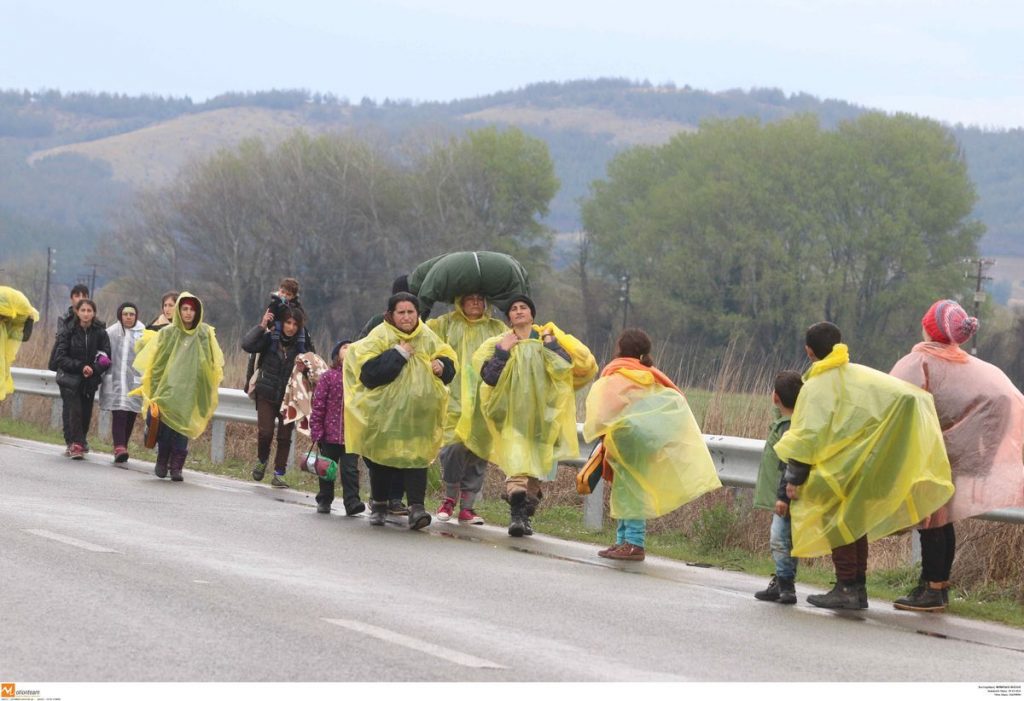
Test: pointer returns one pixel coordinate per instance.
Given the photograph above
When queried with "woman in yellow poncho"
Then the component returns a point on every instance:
(519, 410)
(17, 316)
(982, 417)
(395, 383)
(465, 329)
(654, 451)
(181, 371)
(866, 451)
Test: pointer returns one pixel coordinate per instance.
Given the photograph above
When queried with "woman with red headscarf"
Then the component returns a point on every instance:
(982, 417)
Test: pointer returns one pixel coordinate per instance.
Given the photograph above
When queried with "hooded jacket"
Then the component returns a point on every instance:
(181, 372)
(122, 378)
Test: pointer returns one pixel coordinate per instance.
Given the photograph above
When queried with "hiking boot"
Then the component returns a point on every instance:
(259, 471)
(162, 456)
(787, 591)
(276, 481)
(76, 452)
(527, 526)
(606, 551)
(120, 454)
(627, 551)
(323, 508)
(418, 517)
(378, 513)
(444, 512)
(922, 598)
(516, 506)
(468, 517)
(397, 508)
(771, 592)
(843, 596)
(175, 465)
(354, 507)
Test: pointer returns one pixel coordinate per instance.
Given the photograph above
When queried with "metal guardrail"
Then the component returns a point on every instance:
(736, 459)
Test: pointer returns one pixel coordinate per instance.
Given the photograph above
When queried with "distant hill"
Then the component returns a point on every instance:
(68, 162)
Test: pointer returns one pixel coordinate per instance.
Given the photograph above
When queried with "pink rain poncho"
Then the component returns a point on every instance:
(982, 417)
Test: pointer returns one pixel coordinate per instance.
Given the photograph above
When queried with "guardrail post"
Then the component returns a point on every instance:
(16, 406)
(103, 423)
(217, 440)
(56, 412)
(915, 548)
(593, 508)
(291, 451)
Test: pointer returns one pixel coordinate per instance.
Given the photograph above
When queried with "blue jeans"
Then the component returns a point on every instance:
(781, 543)
(632, 531)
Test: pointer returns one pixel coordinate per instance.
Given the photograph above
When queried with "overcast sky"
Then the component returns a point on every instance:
(955, 61)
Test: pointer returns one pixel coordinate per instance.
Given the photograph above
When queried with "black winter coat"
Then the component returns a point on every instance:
(275, 366)
(77, 347)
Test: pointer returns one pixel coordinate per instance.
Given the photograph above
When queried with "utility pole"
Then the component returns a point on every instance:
(624, 299)
(979, 296)
(49, 269)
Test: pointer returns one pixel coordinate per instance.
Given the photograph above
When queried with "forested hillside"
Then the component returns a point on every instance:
(69, 162)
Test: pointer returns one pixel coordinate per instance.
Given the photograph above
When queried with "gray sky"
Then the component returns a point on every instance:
(955, 61)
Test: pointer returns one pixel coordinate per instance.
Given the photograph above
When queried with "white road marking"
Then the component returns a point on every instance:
(459, 658)
(67, 540)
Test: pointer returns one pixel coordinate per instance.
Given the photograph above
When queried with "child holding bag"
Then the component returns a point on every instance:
(327, 429)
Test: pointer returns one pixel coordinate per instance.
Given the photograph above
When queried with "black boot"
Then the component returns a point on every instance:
(862, 591)
(163, 454)
(787, 591)
(517, 509)
(418, 517)
(176, 463)
(529, 509)
(844, 595)
(923, 598)
(771, 593)
(378, 513)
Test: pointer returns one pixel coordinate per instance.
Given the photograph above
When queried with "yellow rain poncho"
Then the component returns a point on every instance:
(652, 441)
(584, 364)
(400, 424)
(527, 421)
(15, 310)
(465, 336)
(181, 371)
(875, 448)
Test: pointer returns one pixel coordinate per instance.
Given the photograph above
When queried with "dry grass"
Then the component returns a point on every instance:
(990, 556)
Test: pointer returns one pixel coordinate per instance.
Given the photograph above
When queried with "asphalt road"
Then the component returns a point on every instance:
(109, 574)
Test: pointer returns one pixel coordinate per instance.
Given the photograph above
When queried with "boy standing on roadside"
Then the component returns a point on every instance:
(770, 493)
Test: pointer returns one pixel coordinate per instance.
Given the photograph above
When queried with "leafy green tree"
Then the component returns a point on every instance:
(750, 232)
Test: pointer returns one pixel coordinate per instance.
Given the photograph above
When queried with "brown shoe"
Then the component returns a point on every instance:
(627, 551)
(606, 552)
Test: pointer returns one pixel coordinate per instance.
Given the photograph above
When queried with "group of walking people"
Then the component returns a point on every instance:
(854, 455)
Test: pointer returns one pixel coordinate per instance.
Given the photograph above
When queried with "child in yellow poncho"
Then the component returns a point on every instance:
(17, 316)
(867, 450)
(181, 371)
(519, 410)
(653, 446)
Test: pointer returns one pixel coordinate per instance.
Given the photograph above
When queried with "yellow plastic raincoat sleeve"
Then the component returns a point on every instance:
(527, 422)
(400, 424)
(653, 445)
(584, 364)
(15, 310)
(877, 456)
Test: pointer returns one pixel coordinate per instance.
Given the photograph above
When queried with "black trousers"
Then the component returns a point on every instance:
(383, 480)
(938, 548)
(77, 414)
(348, 474)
